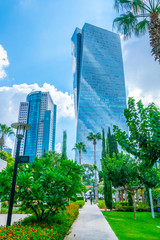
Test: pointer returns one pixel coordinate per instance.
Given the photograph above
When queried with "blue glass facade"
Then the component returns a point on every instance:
(34, 100)
(98, 82)
(42, 118)
(54, 127)
(46, 131)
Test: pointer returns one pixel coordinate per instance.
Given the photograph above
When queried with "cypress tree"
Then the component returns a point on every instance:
(130, 199)
(111, 147)
(103, 144)
(64, 145)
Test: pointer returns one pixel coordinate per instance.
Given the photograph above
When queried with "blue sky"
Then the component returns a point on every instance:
(35, 42)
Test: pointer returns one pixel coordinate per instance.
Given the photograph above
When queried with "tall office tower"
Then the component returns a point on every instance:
(41, 115)
(98, 82)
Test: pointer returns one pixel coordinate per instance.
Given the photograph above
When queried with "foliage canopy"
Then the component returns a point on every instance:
(143, 140)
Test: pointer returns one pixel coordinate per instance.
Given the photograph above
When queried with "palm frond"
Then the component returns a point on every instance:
(139, 6)
(141, 27)
(125, 24)
(122, 5)
(158, 9)
(98, 136)
(90, 137)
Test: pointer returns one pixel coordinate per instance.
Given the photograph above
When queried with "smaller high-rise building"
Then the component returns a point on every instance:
(39, 111)
(7, 149)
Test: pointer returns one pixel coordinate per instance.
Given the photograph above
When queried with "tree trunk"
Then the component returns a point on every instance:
(142, 196)
(1, 142)
(134, 205)
(154, 34)
(96, 190)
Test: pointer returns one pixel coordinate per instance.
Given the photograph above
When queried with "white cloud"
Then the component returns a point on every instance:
(58, 148)
(12, 96)
(138, 94)
(64, 101)
(4, 62)
(141, 71)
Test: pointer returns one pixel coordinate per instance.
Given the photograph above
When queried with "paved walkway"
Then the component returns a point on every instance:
(91, 225)
(15, 218)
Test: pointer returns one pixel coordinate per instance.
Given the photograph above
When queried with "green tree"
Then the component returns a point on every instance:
(101, 190)
(100, 175)
(5, 131)
(81, 148)
(94, 137)
(111, 147)
(128, 173)
(139, 17)
(42, 187)
(64, 145)
(87, 174)
(7, 157)
(56, 157)
(130, 199)
(143, 140)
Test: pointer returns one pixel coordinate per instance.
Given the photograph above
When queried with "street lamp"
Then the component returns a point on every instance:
(21, 127)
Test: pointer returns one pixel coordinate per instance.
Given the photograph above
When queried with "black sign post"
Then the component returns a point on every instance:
(21, 127)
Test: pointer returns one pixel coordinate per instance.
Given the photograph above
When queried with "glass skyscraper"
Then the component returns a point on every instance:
(98, 83)
(39, 111)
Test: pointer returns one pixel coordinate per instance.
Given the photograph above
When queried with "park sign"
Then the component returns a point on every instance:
(23, 159)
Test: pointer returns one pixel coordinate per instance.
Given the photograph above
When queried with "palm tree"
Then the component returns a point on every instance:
(4, 130)
(140, 16)
(81, 148)
(94, 137)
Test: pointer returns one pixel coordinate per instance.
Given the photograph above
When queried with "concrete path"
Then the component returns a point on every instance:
(91, 225)
(15, 218)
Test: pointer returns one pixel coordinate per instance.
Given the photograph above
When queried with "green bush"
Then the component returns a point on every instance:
(124, 207)
(123, 203)
(130, 209)
(80, 198)
(54, 227)
(80, 203)
(117, 204)
(101, 204)
(42, 187)
(15, 211)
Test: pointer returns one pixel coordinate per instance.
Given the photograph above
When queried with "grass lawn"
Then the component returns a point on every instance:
(126, 228)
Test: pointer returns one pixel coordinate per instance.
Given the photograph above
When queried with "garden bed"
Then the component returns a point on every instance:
(55, 227)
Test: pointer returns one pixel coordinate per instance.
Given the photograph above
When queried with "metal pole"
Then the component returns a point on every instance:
(151, 202)
(13, 184)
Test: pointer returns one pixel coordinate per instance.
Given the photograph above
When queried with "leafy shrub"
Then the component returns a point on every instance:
(42, 187)
(124, 207)
(55, 227)
(101, 204)
(80, 198)
(130, 209)
(116, 205)
(80, 203)
(123, 203)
